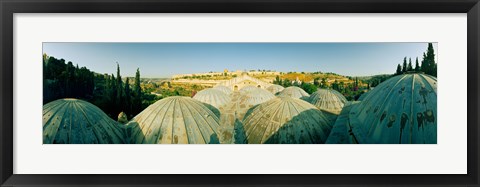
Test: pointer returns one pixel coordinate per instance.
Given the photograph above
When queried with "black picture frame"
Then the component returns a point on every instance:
(9, 7)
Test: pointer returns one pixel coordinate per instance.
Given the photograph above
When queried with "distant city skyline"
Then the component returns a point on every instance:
(162, 60)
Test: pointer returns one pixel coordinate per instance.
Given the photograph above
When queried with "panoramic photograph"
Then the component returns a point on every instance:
(239, 93)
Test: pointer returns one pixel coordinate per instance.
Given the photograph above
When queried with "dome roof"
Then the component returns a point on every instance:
(248, 88)
(174, 120)
(403, 109)
(73, 121)
(224, 89)
(274, 89)
(328, 100)
(213, 97)
(362, 97)
(286, 120)
(255, 97)
(294, 92)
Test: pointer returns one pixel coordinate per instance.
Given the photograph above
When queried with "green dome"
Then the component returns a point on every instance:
(328, 100)
(224, 89)
(174, 120)
(73, 121)
(286, 120)
(362, 97)
(248, 89)
(213, 97)
(403, 109)
(254, 97)
(274, 89)
(294, 92)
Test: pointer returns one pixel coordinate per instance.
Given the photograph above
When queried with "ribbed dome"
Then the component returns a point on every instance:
(213, 97)
(294, 92)
(274, 89)
(328, 100)
(362, 97)
(174, 120)
(286, 120)
(403, 109)
(224, 89)
(73, 121)
(254, 97)
(248, 88)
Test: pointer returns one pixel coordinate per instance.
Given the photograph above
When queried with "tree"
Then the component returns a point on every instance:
(417, 67)
(287, 83)
(430, 58)
(410, 68)
(309, 88)
(324, 82)
(428, 62)
(120, 91)
(404, 69)
(113, 95)
(423, 66)
(315, 81)
(137, 91)
(128, 107)
(399, 70)
(277, 80)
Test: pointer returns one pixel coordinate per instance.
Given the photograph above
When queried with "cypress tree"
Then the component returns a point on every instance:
(410, 68)
(417, 67)
(399, 70)
(430, 60)
(423, 66)
(137, 91)
(128, 108)
(404, 69)
(120, 95)
(113, 95)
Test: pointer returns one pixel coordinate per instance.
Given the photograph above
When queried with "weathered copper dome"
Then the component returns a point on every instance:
(73, 121)
(224, 89)
(174, 120)
(403, 109)
(286, 120)
(213, 97)
(248, 88)
(254, 97)
(294, 92)
(274, 89)
(328, 100)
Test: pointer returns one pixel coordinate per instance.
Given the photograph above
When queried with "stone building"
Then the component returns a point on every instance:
(244, 80)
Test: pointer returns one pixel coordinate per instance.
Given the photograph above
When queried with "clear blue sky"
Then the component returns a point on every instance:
(158, 60)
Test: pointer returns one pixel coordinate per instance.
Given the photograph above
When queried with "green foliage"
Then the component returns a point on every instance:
(137, 94)
(417, 67)
(376, 80)
(324, 83)
(409, 67)
(128, 98)
(61, 80)
(404, 67)
(399, 70)
(308, 87)
(109, 93)
(428, 63)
